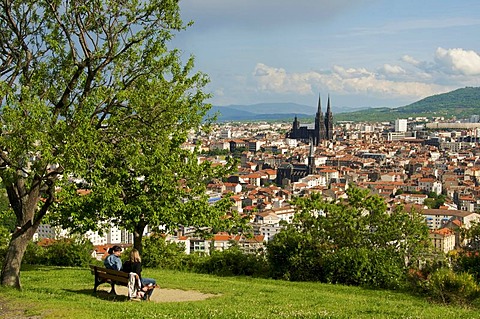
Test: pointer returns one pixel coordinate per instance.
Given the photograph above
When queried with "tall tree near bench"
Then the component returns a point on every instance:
(86, 84)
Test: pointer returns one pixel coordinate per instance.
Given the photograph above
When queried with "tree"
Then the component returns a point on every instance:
(352, 241)
(77, 82)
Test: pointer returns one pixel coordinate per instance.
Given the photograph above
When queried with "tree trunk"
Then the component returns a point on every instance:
(25, 206)
(13, 258)
(138, 236)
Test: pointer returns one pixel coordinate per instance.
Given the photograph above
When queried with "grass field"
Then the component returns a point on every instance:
(53, 292)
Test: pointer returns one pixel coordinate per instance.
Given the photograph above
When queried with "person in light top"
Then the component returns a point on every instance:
(113, 260)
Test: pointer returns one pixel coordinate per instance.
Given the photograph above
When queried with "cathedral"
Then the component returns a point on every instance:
(322, 129)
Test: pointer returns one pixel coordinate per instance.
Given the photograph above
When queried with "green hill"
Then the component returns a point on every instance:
(460, 103)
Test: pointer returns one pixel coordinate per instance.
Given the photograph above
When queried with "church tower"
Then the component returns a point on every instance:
(320, 132)
(295, 127)
(329, 122)
(323, 129)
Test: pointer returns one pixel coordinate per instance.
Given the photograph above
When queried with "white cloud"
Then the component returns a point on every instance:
(414, 79)
(277, 80)
(350, 72)
(410, 60)
(389, 69)
(458, 61)
(342, 81)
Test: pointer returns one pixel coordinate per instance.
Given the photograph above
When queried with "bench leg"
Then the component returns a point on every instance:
(112, 291)
(97, 283)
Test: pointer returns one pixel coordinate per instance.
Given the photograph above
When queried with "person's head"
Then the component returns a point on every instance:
(135, 256)
(116, 250)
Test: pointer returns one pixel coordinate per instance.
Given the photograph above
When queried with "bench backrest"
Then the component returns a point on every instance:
(106, 273)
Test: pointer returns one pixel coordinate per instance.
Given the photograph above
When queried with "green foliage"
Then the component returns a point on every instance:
(353, 242)
(365, 267)
(158, 253)
(34, 255)
(75, 252)
(7, 223)
(233, 262)
(103, 105)
(469, 262)
(295, 256)
(434, 200)
(448, 287)
(472, 236)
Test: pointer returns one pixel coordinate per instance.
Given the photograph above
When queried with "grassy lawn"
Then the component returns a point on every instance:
(52, 292)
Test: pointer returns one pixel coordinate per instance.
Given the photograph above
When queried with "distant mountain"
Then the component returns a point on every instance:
(460, 103)
(262, 112)
(276, 108)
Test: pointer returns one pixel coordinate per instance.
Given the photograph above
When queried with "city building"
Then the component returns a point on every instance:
(401, 125)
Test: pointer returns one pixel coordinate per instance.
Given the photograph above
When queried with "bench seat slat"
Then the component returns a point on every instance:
(114, 278)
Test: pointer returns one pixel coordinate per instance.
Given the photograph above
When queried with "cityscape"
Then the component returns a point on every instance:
(240, 159)
(406, 162)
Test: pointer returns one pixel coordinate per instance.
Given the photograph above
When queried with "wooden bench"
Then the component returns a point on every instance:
(113, 277)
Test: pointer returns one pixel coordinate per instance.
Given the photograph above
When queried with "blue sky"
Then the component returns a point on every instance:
(363, 53)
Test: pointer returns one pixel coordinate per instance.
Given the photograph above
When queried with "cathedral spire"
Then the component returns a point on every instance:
(319, 124)
(329, 121)
(319, 109)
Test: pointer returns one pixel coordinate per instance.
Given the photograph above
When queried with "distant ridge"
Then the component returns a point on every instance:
(262, 111)
(276, 108)
(460, 103)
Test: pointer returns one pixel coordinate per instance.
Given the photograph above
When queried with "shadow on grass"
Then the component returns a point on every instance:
(26, 268)
(100, 294)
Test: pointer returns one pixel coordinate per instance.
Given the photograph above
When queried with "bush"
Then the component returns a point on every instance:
(34, 255)
(72, 252)
(157, 253)
(469, 262)
(294, 256)
(447, 287)
(290, 256)
(233, 262)
(364, 267)
(5, 235)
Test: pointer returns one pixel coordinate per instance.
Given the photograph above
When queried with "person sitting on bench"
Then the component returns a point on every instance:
(113, 260)
(134, 264)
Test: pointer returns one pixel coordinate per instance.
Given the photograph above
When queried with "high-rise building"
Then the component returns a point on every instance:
(401, 125)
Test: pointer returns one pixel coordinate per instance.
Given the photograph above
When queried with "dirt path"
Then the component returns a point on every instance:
(166, 295)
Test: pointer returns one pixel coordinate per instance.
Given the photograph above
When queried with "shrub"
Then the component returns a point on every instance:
(233, 262)
(286, 255)
(72, 252)
(157, 253)
(447, 287)
(469, 262)
(364, 267)
(34, 255)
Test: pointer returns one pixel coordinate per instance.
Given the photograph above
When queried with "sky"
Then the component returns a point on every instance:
(361, 53)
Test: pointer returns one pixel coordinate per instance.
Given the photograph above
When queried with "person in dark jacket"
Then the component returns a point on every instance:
(134, 264)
